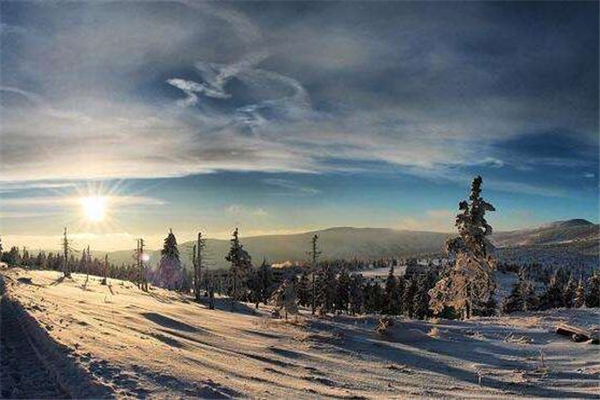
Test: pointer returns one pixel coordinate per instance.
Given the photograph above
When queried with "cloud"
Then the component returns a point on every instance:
(239, 210)
(438, 220)
(292, 187)
(265, 90)
(71, 201)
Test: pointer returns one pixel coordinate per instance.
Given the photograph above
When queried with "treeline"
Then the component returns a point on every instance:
(562, 289)
(85, 264)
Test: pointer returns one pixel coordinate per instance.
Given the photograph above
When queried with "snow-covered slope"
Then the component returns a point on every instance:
(553, 233)
(161, 344)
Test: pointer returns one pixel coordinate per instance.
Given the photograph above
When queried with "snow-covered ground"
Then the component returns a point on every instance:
(161, 344)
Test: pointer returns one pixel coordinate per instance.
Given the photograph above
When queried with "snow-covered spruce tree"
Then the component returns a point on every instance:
(356, 294)
(285, 297)
(170, 272)
(241, 267)
(579, 299)
(304, 289)
(469, 286)
(391, 297)
(593, 290)
(342, 297)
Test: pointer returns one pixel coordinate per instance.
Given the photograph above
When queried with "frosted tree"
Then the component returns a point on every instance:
(239, 272)
(170, 271)
(285, 297)
(469, 286)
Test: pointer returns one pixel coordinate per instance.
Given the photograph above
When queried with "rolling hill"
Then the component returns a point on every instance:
(578, 235)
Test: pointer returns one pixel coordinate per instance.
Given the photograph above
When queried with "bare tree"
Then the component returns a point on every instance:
(314, 255)
(66, 248)
(198, 262)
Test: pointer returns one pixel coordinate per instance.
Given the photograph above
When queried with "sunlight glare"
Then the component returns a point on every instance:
(94, 208)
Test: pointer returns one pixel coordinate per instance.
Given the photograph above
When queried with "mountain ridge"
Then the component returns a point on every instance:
(373, 243)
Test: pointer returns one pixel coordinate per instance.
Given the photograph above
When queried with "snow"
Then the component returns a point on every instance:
(163, 345)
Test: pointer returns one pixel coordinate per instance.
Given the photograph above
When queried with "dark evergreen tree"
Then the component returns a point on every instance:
(326, 288)
(241, 266)
(592, 298)
(579, 298)
(391, 296)
(553, 296)
(569, 293)
(421, 298)
(356, 294)
(342, 298)
(304, 289)
(408, 297)
(515, 301)
(261, 284)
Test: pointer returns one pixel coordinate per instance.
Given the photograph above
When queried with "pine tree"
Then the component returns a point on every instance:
(531, 301)
(421, 298)
(261, 284)
(579, 298)
(326, 288)
(469, 286)
(409, 295)
(569, 293)
(593, 291)
(342, 298)
(391, 304)
(170, 271)
(515, 301)
(553, 296)
(356, 294)
(241, 266)
(304, 289)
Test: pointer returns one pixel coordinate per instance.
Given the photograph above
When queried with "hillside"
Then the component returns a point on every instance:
(553, 233)
(578, 237)
(335, 243)
(119, 341)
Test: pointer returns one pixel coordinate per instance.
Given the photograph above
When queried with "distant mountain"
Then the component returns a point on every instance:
(553, 233)
(374, 243)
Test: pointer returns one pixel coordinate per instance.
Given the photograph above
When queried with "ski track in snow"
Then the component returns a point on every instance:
(163, 345)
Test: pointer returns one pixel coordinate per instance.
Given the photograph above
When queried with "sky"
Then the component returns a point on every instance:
(283, 117)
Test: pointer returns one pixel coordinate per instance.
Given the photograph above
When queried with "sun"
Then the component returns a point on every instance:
(94, 207)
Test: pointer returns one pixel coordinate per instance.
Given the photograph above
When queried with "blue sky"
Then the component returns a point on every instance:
(285, 116)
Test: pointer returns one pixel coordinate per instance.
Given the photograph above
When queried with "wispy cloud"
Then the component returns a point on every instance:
(239, 210)
(107, 98)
